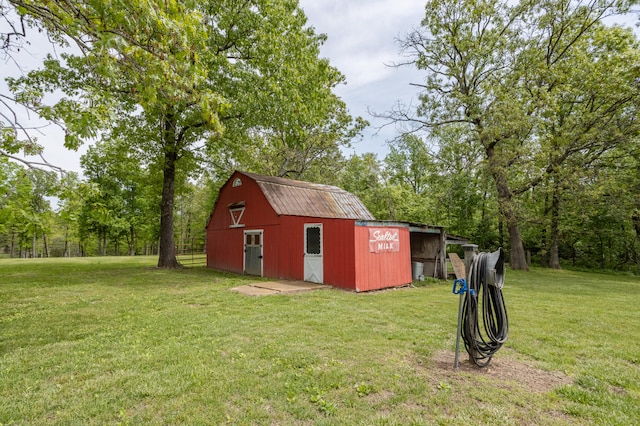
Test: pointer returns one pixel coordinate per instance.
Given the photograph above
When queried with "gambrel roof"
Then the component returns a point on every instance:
(297, 198)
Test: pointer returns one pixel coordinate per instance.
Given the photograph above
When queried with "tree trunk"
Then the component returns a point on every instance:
(66, 242)
(635, 218)
(554, 259)
(46, 246)
(518, 260)
(132, 241)
(544, 244)
(167, 250)
(544, 251)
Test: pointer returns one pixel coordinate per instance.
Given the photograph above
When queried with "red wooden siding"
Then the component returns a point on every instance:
(375, 271)
(257, 208)
(339, 254)
(225, 245)
(337, 249)
(225, 249)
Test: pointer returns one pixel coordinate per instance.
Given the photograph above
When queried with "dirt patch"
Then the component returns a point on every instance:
(278, 287)
(504, 371)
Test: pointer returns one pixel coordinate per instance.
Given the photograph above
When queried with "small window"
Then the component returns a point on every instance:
(248, 237)
(256, 239)
(237, 182)
(236, 217)
(313, 240)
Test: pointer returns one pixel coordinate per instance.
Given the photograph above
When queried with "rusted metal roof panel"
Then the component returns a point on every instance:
(298, 198)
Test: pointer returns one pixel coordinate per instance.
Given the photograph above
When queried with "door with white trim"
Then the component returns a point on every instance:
(253, 252)
(313, 241)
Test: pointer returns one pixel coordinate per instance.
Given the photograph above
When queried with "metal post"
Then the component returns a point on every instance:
(455, 364)
(459, 287)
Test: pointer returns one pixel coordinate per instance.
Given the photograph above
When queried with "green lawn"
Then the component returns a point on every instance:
(114, 340)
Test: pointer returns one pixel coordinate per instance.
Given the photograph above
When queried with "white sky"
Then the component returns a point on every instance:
(361, 41)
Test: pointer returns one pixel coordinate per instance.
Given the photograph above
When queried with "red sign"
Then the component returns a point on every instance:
(384, 240)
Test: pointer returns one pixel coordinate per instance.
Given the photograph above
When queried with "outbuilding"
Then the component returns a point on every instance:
(282, 228)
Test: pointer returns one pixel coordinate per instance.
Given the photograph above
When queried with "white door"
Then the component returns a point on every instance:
(313, 269)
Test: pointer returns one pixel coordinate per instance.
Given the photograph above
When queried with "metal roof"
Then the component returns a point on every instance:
(297, 198)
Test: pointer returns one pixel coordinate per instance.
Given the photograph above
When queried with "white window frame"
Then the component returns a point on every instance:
(235, 223)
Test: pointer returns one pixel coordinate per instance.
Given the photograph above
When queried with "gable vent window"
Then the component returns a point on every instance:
(236, 210)
(237, 182)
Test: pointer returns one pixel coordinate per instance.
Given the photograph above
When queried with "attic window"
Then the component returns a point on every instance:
(236, 216)
(237, 182)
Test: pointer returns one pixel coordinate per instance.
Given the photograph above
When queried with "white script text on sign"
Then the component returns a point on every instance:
(384, 240)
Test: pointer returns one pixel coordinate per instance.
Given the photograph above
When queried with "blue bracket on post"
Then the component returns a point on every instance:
(460, 287)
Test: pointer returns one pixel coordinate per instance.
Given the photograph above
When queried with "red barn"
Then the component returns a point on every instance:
(283, 228)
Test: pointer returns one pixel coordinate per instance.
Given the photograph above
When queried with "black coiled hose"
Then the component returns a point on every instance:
(484, 297)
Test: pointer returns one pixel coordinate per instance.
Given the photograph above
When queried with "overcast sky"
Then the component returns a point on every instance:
(361, 43)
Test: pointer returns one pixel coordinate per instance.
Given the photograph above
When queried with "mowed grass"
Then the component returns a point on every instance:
(116, 341)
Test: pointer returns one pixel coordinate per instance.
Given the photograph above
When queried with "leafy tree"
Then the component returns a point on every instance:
(296, 125)
(15, 190)
(410, 169)
(363, 176)
(25, 212)
(459, 186)
(194, 209)
(121, 204)
(177, 73)
(590, 115)
(439, 185)
(410, 163)
(70, 205)
(491, 68)
(44, 184)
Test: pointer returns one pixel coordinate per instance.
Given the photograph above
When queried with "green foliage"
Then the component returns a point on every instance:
(118, 201)
(363, 176)
(25, 211)
(409, 163)
(526, 128)
(184, 80)
(532, 95)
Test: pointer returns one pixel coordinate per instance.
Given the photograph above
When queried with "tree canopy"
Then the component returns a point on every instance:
(178, 80)
(542, 89)
(525, 134)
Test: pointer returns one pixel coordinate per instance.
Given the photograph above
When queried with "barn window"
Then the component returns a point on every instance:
(313, 240)
(237, 182)
(236, 217)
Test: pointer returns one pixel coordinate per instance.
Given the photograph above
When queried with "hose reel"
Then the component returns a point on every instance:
(483, 323)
